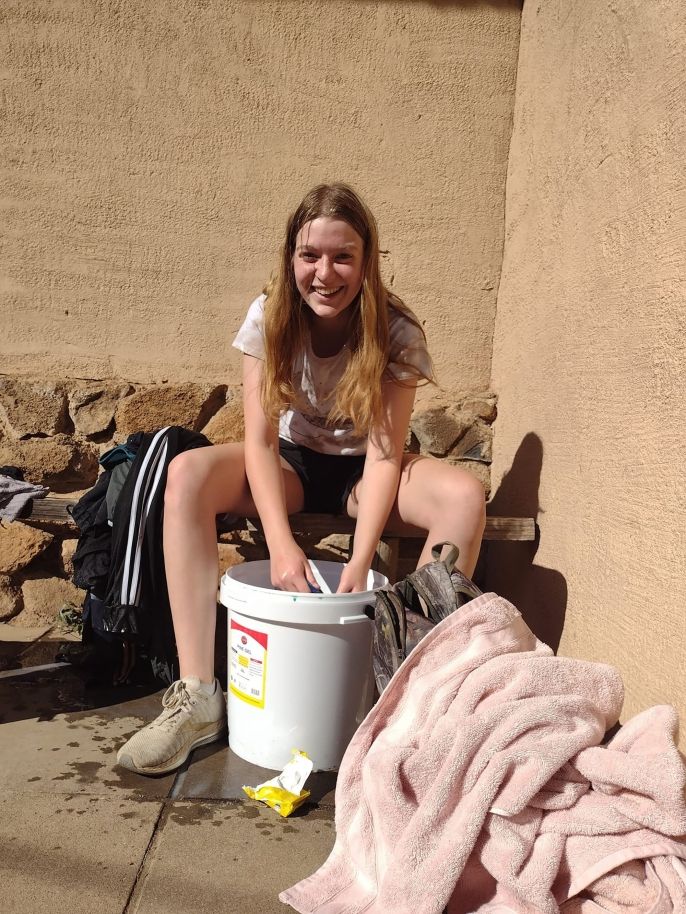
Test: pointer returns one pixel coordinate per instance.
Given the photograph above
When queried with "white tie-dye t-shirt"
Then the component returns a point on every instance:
(315, 379)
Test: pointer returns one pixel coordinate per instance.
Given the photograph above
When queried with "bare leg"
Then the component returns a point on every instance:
(445, 501)
(201, 484)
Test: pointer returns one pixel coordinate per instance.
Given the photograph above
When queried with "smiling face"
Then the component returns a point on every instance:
(328, 264)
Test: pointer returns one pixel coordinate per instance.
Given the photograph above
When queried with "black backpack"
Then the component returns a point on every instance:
(407, 611)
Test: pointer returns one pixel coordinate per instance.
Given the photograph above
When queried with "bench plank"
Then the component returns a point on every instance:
(53, 508)
(517, 529)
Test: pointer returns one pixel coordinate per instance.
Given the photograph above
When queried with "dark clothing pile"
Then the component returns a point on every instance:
(119, 559)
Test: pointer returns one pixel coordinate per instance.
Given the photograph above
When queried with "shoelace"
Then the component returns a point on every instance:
(177, 698)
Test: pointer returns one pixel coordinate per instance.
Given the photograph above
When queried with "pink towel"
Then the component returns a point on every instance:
(480, 767)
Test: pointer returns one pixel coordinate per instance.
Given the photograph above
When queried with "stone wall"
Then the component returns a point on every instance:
(55, 431)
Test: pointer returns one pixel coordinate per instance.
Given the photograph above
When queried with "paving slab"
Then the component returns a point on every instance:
(72, 853)
(215, 772)
(229, 857)
(78, 834)
(61, 736)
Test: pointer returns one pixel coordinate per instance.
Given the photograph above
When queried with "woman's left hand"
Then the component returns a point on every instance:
(354, 578)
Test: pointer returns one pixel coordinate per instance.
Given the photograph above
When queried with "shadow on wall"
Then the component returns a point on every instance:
(539, 593)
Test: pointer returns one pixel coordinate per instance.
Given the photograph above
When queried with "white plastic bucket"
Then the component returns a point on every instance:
(299, 666)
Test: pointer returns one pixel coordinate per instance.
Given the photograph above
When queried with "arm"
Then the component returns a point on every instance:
(290, 569)
(379, 485)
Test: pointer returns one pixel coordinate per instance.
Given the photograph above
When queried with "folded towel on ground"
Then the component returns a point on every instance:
(478, 783)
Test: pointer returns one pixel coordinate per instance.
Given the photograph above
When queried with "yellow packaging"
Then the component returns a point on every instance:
(285, 793)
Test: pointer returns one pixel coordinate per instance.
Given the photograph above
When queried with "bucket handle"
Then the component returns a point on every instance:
(347, 620)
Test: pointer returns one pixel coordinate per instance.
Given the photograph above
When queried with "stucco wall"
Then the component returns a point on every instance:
(589, 344)
(152, 151)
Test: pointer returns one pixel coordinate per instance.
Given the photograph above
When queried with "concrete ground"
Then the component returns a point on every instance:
(79, 835)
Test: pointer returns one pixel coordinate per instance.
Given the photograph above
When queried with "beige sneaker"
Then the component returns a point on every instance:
(190, 718)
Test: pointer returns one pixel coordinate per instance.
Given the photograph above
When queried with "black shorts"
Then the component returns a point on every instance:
(327, 479)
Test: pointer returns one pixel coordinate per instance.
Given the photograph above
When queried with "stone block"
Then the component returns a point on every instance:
(229, 556)
(227, 424)
(440, 421)
(19, 545)
(333, 548)
(412, 445)
(437, 428)
(480, 406)
(476, 443)
(250, 546)
(92, 406)
(189, 405)
(44, 598)
(32, 407)
(68, 550)
(11, 602)
(62, 463)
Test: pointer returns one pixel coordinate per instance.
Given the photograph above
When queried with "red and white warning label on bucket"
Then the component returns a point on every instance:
(247, 664)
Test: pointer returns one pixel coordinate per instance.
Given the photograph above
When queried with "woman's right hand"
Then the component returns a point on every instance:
(290, 569)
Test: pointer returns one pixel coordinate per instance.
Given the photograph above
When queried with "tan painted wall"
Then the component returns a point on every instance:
(153, 149)
(589, 345)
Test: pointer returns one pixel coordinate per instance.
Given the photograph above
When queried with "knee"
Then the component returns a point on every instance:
(468, 498)
(185, 479)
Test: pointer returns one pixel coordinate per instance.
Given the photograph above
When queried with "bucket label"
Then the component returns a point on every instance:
(247, 664)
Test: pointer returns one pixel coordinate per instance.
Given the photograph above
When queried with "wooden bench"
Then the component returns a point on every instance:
(53, 510)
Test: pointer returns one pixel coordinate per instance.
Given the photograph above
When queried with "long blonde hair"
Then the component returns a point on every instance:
(358, 394)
